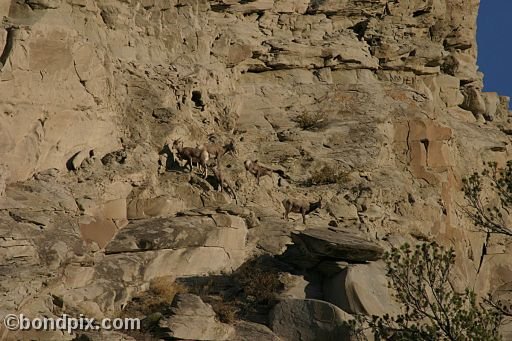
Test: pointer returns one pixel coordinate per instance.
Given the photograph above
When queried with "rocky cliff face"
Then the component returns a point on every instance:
(385, 93)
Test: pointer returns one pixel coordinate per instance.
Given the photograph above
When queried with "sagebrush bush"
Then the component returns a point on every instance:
(310, 121)
(227, 311)
(165, 288)
(159, 296)
(260, 284)
(252, 289)
(326, 175)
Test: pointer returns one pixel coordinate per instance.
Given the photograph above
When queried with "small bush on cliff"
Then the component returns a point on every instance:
(490, 218)
(259, 285)
(226, 311)
(311, 121)
(251, 290)
(431, 308)
(327, 175)
(159, 297)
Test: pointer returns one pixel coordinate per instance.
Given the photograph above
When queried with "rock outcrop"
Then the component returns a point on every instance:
(193, 319)
(295, 319)
(338, 244)
(361, 289)
(385, 94)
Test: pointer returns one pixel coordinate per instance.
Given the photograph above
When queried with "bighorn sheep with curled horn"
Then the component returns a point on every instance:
(258, 170)
(191, 155)
(224, 183)
(300, 206)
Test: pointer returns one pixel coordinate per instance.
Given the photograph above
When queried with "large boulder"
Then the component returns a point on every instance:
(361, 289)
(316, 244)
(215, 230)
(309, 320)
(253, 331)
(192, 319)
(196, 244)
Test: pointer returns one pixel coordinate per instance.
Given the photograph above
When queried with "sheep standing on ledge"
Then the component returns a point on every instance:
(300, 206)
(224, 183)
(191, 155)
(258, 170)
(216, 151)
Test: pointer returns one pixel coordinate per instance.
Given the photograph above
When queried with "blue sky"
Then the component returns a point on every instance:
(494, 45)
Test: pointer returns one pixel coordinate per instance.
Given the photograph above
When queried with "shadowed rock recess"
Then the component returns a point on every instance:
(376, 107)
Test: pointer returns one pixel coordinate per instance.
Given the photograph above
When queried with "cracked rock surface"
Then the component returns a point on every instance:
(384, 94)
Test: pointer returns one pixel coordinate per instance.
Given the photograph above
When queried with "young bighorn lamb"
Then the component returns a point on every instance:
(224, 183)
(191, 155)
(300, 206)
(216, 150)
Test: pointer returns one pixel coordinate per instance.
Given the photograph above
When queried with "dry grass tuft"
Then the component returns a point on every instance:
(226, 311)
(252, 289)
(327, 175)
(311, 121)
(258, 284)
(165, 288)
(159, 297)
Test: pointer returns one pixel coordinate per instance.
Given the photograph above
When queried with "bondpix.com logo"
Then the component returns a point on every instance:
(68, 323)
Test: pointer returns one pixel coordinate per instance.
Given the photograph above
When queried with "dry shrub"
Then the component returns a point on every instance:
(259, 284)
(201, 287)
(165, 288)
(310, 121)
(327, 175)
(159, 297)
(211, 292)
(226, 311)
(251, 289)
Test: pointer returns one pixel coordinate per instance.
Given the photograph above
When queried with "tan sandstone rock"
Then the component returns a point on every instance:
(193, 319)
(297, 319)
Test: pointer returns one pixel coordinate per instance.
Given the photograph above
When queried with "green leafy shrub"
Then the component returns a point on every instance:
(431, 308)
(487, 217)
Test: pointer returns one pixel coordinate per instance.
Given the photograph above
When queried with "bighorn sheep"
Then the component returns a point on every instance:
(300, 206)
(191, 155)
(224, 183)
(216, 151)
(258, 170)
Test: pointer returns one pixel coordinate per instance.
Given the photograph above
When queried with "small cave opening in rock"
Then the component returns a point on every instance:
(219, 7)
(425, 144)
(360, 28)
(197, 99)
(420, 13)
